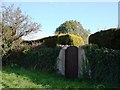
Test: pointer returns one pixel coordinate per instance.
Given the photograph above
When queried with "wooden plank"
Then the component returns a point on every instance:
(71, 62)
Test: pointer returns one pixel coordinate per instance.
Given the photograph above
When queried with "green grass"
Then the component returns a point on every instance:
(14, 77)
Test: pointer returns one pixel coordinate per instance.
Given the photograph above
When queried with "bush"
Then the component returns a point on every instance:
(63, 39)
(109, 38)
(70, 39)
(50, 41)
(104, 64)
(43, 59)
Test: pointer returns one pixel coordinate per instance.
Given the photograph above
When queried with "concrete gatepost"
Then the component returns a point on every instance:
(81, 59)
(61, 61)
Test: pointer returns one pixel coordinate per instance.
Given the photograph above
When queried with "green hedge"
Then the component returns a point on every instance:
(50, 41)
(43, 59)
(109, 38)
(63, 39)
(104, 64)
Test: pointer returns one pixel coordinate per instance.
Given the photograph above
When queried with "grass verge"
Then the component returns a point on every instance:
(15, 77)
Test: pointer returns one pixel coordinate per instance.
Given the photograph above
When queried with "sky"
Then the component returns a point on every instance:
(119, 13)
(94, 16)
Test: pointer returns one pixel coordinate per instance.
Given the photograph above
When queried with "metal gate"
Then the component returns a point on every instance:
(71, 62)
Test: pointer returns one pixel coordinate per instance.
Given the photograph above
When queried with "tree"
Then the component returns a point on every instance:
(14, 25)
(73, 27)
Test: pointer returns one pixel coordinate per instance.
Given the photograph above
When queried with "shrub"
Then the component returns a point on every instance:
(104, 64)
(43, 59)
(63, 39)
(50, 41)
(70, 39)
(109, 38)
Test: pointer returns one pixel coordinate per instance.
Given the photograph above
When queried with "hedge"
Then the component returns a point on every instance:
(43, 59)
(50, 41)
(63, 39)
(108, 38)
(104, 64)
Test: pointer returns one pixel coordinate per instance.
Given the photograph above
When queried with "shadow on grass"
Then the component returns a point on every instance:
(51, 79)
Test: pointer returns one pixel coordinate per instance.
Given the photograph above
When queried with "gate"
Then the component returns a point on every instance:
(71, 62)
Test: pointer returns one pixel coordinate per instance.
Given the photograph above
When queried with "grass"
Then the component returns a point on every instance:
(14, 77)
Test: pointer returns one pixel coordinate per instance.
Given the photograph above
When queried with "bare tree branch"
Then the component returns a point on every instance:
(15, 24)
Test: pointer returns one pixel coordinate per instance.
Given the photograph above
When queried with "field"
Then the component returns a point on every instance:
(14, 77)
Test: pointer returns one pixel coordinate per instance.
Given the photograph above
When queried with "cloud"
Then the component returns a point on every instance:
(35, 36)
